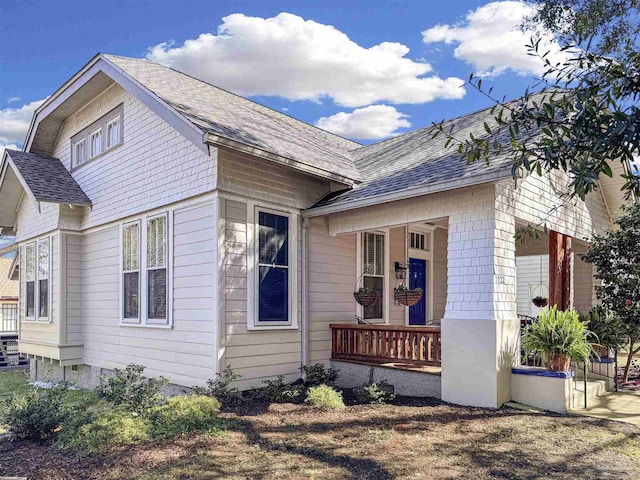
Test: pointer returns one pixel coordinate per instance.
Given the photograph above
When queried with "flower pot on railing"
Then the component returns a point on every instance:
(540, 302)
(407, 297)
(365, 297)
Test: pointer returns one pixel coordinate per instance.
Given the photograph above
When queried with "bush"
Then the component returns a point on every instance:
(180, 415)
(277, 391)
(127, 387)
(220, 390)
(114, 428)
(36, 415)
(318, 374)
(324, 396)
(376, 393)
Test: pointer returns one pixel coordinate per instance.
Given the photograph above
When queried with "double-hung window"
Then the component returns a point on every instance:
(30, 281)
(37, 301)
(274, 275)
(145, 271)
(373, 272)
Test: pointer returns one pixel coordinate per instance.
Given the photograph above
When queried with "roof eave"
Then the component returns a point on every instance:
(217, 140)
(411, 192)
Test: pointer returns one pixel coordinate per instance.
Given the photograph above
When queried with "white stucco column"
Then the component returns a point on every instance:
(480, 328)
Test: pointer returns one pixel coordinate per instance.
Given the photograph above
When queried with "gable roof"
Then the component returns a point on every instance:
(416, 163)
(46, 179)
(230, 116)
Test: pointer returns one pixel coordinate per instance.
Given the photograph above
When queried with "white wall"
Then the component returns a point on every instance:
(531, 272)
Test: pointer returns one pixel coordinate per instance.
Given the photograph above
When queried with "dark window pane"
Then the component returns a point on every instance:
(376, 284)
(43, 298)
(31, 299)
(157, 290)
(131, 295)
(273, 231)
(274, 295)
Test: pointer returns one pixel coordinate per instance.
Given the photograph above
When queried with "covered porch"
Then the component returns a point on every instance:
(466, 329)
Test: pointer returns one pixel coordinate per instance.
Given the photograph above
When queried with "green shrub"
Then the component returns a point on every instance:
(36, 415)
(127, 387)
(324, 396)
(83, 409)
(219, 388)
(318, 374)
(376, 393)
(180, 415)
(277, 391)
(114, 428)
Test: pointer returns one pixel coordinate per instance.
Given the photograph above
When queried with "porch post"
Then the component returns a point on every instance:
(480, 328)
(559, 270)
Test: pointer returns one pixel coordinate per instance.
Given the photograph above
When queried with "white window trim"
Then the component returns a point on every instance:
(100, 124)
(143, 321)
(36, 318)
(82, 141)
(253, 211)
(107, 125)
(102, 139)
(386, 291)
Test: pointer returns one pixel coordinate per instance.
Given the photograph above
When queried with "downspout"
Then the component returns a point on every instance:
(305, 286)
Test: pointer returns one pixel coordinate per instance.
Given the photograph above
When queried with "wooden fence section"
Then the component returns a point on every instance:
(386, 343)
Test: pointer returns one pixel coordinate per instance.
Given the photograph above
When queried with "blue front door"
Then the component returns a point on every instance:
(418, 279)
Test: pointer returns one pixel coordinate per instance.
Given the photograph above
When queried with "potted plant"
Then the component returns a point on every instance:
(540, 301)
(365, 296)
(560, 336)
(406, 297)
(608, 329)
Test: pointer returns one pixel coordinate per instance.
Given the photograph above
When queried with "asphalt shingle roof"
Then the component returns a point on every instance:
(228, 115)
(48, 179)
(417, 159)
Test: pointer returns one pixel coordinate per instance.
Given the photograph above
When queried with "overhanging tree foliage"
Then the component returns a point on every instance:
(584, 114)
(616, 256)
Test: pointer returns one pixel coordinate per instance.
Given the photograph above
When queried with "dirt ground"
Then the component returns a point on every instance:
(413, 439)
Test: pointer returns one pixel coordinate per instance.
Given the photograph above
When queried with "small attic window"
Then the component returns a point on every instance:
(98, 138)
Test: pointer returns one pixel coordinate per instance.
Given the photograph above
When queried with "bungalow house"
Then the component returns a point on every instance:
(163, 221)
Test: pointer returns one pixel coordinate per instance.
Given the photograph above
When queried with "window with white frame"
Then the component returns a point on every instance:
(30, 281)
(37, 302)
(80, 151)
(145, 271)
(95, 142)
(274, 274)
(373, 272)
(418, 241)
(97, 138)
(43, 278)
(113, 132)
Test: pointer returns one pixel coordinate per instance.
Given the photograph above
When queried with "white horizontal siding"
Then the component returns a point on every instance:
(532, 276)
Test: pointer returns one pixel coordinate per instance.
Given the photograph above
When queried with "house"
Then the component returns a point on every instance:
(163, 221)
(9, 288)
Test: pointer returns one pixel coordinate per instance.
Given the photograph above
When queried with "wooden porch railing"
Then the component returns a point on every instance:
(386, 343)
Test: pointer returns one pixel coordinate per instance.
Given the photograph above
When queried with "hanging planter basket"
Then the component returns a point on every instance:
(540, 302)
(408, 298)
(365, 299)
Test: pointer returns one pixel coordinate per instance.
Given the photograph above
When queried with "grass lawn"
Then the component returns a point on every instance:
(416, 439)
(13, 383)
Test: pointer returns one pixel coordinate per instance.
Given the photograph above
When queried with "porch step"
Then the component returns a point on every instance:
(595, 388)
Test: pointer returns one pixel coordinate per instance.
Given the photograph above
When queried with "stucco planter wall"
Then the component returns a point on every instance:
(542, 388)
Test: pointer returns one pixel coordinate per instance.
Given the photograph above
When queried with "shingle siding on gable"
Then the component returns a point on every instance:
(155, 165)
(31, 223)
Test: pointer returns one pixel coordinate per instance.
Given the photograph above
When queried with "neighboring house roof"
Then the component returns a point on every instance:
(8, 288)
(416, 163)
(233, 117)
(46, 179)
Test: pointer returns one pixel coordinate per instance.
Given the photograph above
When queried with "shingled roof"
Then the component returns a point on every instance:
(417, 160)
(231, 116)
(46, 178)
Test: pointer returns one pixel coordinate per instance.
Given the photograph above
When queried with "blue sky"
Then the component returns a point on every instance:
(363, 69)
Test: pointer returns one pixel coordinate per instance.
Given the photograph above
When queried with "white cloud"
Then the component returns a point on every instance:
(299, 59)
(13, 99)
(491, 40)
(10, 147)
(368, 123)
(14, 122)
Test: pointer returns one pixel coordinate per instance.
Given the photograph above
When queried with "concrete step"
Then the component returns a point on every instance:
(595, 389)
